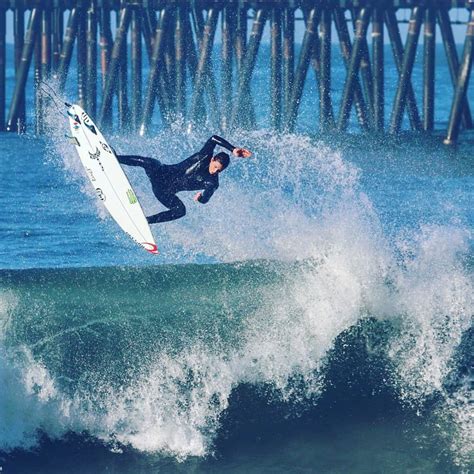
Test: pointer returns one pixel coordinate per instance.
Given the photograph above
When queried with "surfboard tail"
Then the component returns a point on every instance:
(149, 247)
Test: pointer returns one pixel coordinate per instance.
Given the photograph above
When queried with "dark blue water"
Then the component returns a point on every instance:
(315, 316)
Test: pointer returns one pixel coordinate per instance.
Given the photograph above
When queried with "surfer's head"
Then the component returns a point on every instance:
(219, 163)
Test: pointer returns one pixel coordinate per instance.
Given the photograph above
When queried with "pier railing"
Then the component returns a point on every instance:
(182, 80)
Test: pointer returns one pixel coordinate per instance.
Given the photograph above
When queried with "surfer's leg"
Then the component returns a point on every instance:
(176, 209)
(135, 160)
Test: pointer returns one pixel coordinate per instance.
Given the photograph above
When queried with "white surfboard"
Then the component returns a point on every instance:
(109, 180)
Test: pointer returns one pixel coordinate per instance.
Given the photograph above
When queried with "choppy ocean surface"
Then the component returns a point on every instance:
(315, 316)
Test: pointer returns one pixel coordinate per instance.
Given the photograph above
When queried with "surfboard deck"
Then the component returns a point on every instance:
(109, 181)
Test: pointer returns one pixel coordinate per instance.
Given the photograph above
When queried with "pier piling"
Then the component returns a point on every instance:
(115, 59)
(14, 117)
(57, 33)
(19, 32)
(46, 58)
(205, 32)
(248, 120)
(81, 51)
(462, 83)
(202, 79)
(429, 45)
(249, 63)
(204, 66)
(3, 63)
(91, 68)
(68, 45)
(362, 23)
(37, 77)
(378, 68)
(326, 119)
(346, 52)
(309, 39)
(275, 70)
(105, 43)
(192, 62)
(453, 60)
(136, 68)
(226, 67)
(180, 61)
(365, 64)
(408, 60)
(398, 55)
(156, 63)
(288, 55)
(122, 85)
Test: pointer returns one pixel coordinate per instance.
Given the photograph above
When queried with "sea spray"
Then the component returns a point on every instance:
(28, 398)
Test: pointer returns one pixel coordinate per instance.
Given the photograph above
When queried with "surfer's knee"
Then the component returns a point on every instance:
(179, 211)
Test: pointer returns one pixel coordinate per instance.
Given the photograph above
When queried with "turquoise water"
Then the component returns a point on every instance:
(315, 316)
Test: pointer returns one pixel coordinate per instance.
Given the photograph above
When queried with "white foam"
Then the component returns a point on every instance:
(435, 301)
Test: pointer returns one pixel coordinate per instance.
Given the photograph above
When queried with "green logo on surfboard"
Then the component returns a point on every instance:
(132, 199)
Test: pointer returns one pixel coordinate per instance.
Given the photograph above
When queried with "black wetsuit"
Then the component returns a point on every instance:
(192, 174)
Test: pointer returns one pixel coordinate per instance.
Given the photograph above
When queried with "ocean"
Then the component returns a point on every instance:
(314, 316)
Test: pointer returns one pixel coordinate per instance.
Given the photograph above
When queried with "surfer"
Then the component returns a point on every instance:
(198, 172)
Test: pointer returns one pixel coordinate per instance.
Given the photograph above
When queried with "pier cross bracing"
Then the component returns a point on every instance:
(134, 61)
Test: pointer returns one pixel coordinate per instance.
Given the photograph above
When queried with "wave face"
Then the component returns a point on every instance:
(177, 359)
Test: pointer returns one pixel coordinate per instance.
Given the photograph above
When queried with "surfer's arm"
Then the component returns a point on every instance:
(236, 151)
(204, 196)
(207, 151)
(217, 140)
(204, 153)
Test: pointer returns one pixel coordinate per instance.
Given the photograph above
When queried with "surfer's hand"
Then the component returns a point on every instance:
(242, 153)
(197, 197)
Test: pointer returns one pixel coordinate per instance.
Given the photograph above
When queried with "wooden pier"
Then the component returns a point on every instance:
(137, 63)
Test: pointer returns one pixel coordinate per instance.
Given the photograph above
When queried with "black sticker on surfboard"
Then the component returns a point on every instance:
(100, 194)
(73, 140)
(91, 128)
(87, 122)
(94, 156)
(105, 147)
